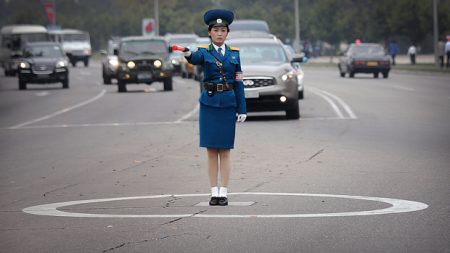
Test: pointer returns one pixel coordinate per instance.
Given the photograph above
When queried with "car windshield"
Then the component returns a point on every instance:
(76, 37)
(143, 47)
(265, 54)
(365, 50)
(47, 51)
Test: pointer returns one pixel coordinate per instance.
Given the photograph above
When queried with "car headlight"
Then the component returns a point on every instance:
(174, 62)
(61, 64)
(24, 65)
(131, 64)
(113, 62)
(157, 63)
(287, 76)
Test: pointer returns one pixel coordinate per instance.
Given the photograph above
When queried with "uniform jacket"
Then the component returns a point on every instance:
(231, 66)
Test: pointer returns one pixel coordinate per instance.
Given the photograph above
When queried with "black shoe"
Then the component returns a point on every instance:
(223, 201)
(214, 201)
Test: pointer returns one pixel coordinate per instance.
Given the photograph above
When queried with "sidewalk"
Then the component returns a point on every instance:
(400, 59)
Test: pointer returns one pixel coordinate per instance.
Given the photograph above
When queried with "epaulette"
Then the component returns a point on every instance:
(203, 46)
(234, 48)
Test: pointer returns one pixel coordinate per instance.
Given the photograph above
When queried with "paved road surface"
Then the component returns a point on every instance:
(384, 138)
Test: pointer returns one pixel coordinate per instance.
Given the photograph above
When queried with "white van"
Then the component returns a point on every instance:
(75, 43)
(13, 39)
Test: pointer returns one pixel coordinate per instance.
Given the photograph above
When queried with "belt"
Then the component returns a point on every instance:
(218, 87)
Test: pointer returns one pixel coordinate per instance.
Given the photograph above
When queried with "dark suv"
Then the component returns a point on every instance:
(143, 60)
(43, 62)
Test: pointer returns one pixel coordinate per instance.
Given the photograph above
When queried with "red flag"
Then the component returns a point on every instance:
(50, 10)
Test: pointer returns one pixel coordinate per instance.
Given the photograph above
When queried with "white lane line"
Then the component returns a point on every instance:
(189, 114)
(403, 88)
(330, 102)
(42, 93)
(60, 111)
(105, 124)
(343, 104)
(396, 206)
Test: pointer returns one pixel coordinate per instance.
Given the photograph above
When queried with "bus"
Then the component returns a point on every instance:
(13, 39)
(75, 43)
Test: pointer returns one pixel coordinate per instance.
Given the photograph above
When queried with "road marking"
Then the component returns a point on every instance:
(42, 93)
(60, 111)
(330, 102)
(403, 88)
(343, 104)
(328, 97)
(397, 206)
(188, 115)
(229, 203)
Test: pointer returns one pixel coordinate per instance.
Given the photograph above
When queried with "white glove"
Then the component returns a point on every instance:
(241, 118)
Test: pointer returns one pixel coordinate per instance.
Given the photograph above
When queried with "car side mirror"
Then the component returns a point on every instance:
(103, 52)
(116, 52)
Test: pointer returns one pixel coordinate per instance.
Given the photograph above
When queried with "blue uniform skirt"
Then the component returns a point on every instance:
(217, 127)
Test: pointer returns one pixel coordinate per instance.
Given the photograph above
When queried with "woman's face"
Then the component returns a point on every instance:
(218, 35)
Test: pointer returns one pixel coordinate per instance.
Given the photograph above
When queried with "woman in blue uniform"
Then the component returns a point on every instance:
(221, 100)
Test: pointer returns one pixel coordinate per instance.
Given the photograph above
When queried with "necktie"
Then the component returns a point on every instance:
(220, 51)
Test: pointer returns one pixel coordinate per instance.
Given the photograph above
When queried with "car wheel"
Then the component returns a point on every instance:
(340, 72)
(300, 94)
(106, 80)
(168, 84)
(385, 74)
(74, 63)
(22, 84)
(183, 75)
(293, 113)
(65, 83)
(375, 75)
(351, 74)
(121, 86)
(86, 62)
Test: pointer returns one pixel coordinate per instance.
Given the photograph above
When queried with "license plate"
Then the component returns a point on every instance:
(372, 63)
(251, 94)
(145, 75)
(42, 76)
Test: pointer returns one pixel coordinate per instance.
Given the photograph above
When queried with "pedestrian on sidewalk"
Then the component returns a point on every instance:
(393, 50)
(412, 51)
(447, 50)
(222, 101)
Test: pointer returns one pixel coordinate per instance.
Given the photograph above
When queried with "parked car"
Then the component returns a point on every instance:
(43, 62)
(270, 80)
(110, 62)
(365, 58)
(144, 60)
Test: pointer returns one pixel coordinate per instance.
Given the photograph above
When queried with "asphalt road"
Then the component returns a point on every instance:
(336, 180)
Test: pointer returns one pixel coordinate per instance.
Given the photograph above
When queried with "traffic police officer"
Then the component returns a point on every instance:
(221, 100)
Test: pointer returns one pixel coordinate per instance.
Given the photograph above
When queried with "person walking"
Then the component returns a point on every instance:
(222, 101)
(447, 51)
(412, 52)
(393, 50)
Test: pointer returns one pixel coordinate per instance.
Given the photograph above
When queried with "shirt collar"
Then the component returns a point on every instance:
(217, 47)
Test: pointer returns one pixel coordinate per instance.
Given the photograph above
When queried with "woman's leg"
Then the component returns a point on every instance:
(213, 165)
(225, 166)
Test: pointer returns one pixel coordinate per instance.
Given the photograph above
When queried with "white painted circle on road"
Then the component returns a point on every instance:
(397, 206)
